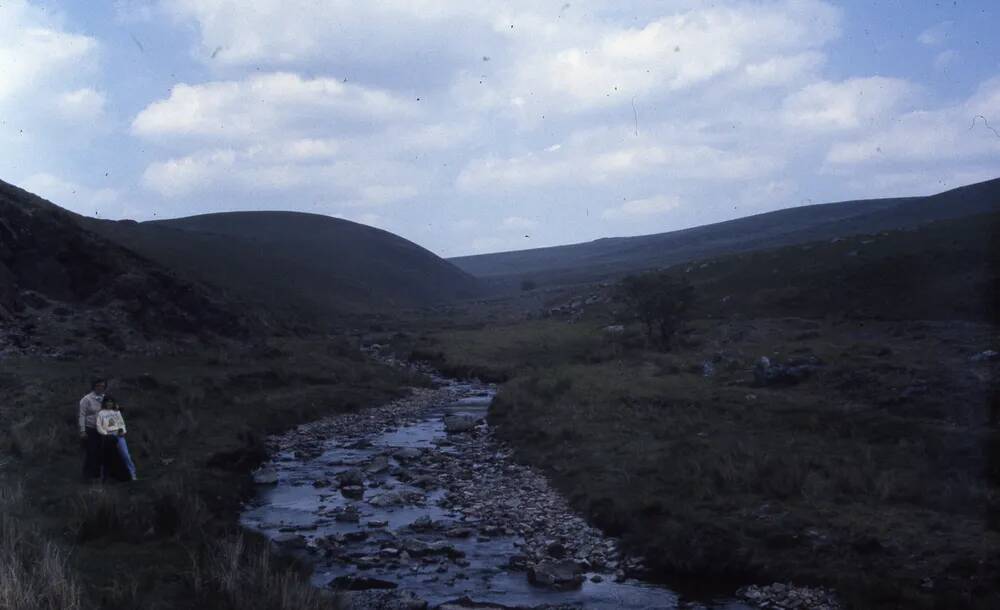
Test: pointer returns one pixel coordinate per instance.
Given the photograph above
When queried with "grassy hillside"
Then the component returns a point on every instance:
(307, 265)
(877, 474)
(62, 286)
(608, 257)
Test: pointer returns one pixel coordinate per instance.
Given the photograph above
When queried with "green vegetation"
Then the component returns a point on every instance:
(197, 423)
(311, 267)
(613, 257)
(876, 474)
(871, 469)
(659, 300)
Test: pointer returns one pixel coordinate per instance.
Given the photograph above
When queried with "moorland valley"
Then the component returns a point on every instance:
(801, 397)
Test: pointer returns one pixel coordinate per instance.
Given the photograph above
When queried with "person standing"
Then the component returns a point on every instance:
(111, 427)
(90, 406)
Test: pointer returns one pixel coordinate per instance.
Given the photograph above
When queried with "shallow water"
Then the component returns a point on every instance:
(295, 506)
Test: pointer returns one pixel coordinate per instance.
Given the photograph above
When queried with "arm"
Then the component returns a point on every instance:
(101, 427)
(82, 416)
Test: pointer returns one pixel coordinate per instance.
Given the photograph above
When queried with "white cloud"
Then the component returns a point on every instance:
(517, 172)
(597, 158)
(481, 245)
(84, 104)
(781, 70)
(363, 35)
(387, 193)
(936, 34)
(261, 169)
(650, 206)
(945, 59)
(944, 134)
(265, 104)
(848, 104)
(83, 199)
(925, 181)
(578, 66)
(518, 223)
(35, 52)
(367, 218)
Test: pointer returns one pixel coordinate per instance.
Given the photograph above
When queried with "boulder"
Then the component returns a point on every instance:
(351, 514)
(407, 453)
(396, 498)
(460, 423)
(290, 541)
(378, 465)
(986, 356)
(558, 575)
(379, 599)
(767, 373)
(350, 478)
(265, 476)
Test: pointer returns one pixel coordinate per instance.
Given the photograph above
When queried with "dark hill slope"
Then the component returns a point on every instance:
(943, 270)
(63, 285)
(306, 265)
(606, 257)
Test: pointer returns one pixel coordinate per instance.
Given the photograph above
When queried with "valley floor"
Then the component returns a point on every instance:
(197, 423)
(877, 474)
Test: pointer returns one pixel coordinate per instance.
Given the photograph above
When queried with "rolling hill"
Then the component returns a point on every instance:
(63, 287)
(612, 256)
(306, 266)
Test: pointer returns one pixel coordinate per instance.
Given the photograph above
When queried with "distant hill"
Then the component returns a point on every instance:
(613, 256)
(943, 270)
(303, 265)
(63, 287)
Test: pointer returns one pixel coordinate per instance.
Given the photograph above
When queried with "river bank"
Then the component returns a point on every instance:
(197, 421)
(874, 475)
(417, 501)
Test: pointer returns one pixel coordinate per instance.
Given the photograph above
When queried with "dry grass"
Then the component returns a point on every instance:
(33, 571)
(244, 574)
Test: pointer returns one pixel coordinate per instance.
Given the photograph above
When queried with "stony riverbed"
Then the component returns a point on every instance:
(415, 503)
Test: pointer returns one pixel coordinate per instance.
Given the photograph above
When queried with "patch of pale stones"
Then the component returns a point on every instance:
(779, 596)
(497, 496)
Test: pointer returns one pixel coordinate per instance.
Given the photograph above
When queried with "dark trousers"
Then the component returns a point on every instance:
(93, 454)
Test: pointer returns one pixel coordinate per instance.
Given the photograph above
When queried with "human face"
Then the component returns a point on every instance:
(100, 387)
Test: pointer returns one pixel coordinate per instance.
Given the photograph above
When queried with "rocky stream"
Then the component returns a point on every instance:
(414, 504)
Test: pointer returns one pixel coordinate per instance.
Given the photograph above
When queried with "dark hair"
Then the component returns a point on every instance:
(109, 399)
(97, 380)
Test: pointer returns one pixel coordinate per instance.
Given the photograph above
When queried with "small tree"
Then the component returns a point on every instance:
(528, 285)
(658, 300)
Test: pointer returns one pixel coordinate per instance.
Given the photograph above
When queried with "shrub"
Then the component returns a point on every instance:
(659, 300)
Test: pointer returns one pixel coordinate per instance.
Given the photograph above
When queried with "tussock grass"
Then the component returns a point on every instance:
(881, 454)
(172, 509)
(34, 439)
(243, 573)
(33, 571)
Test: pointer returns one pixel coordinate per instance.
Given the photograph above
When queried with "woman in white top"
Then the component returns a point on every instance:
(111, 426)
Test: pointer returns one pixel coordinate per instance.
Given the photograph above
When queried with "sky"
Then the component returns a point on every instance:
(473, 127)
